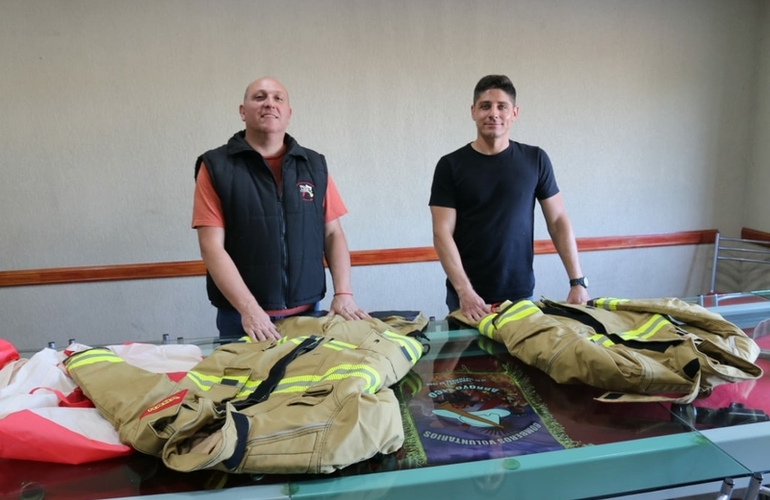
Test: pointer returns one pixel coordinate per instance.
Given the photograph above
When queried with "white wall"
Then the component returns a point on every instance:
(646, 109)
(758, 180)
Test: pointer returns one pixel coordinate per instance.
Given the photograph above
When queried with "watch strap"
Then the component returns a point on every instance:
(579, 281)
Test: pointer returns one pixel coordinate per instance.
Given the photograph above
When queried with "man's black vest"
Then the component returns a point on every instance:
(276, 241)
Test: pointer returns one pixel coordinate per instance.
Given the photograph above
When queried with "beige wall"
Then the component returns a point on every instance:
(646, 109)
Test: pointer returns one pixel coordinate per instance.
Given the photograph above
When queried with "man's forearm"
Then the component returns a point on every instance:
(338, 259)
(227, 278)
(566, 246)
(450, 260)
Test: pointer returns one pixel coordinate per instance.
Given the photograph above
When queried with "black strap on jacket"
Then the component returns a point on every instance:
(598, 327)
(580, 316)
(263, 390)
(242, 436)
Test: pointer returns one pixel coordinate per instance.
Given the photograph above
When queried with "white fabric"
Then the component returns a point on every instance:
(29, 384)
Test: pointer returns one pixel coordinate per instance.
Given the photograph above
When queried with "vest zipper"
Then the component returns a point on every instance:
(284, 257)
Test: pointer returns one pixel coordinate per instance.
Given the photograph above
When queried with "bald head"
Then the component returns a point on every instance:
(265, 109)
(267, 84)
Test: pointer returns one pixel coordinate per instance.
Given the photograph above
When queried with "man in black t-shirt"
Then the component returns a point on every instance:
(483, 202)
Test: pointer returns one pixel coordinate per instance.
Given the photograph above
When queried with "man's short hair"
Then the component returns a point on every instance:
(501, 82)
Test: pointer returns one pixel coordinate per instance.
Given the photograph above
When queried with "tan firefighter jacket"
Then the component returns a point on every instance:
(641, 350)
(313, 402)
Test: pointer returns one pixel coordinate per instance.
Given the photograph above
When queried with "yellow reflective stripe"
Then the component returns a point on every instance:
(519, 311)
(334, 344)
(196, 378)
(300, 378)
(607, 303)
(343, 344)
(301, 383)
(339, 372)
(248, 388)
(600, 338)
(338, 345)
(413, 347)
(655, 328)
(410, 345)
(494, 321)
(647, 330)
(93, 357)
(486, 325)
(204, 379)
(206, 382)
(367, 373)
(296, 384)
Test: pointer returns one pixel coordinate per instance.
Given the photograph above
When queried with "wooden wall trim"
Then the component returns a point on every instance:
(635, 241)
(89, 274)
(189, 268)
(754, 234)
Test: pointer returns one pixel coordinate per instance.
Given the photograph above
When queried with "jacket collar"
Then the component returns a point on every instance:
(238, 145)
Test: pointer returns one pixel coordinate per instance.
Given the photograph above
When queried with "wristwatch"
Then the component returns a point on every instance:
(582, 281)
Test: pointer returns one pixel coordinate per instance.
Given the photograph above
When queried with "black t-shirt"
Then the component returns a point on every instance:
(494, 196)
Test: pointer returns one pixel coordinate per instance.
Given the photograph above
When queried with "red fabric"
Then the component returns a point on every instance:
(48, 419)
(8, 353)
(176, 376)
(75, 399)
(22, 433)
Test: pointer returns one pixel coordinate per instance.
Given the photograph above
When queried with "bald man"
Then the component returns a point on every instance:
(267, 213)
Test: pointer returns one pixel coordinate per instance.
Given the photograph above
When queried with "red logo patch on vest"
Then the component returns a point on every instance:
(306, 191)
(166, 402)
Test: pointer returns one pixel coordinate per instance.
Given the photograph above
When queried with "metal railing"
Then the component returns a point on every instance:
(749, 253)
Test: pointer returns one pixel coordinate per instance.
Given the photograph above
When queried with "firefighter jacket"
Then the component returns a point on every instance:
(641, 350)
(315, 401)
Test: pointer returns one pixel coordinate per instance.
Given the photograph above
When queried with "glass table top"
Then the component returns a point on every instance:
(478, 423)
